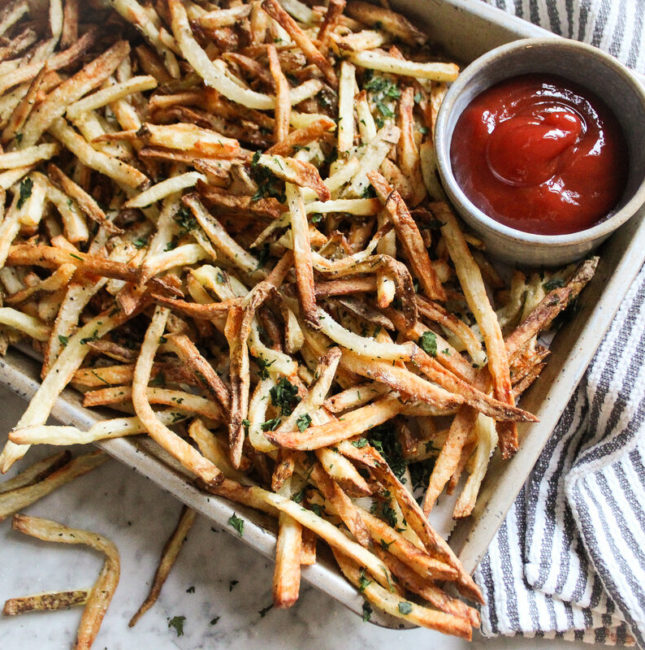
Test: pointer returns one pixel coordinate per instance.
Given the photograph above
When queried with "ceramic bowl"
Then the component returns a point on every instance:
(584, 65)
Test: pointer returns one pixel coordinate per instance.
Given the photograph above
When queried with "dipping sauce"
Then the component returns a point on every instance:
(540, 154)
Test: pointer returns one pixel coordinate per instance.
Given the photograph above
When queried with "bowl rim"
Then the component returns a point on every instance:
(442, 146)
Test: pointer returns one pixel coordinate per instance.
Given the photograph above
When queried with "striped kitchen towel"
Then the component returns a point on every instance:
(569, 561)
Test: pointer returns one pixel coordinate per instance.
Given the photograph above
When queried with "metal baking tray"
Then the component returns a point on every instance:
(463, 29)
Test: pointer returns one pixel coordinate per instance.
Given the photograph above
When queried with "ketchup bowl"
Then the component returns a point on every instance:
(540, 147)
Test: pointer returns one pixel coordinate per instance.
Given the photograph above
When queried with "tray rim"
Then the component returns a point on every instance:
(471, 545)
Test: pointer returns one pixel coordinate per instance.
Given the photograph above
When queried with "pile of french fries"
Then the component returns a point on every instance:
(224, 223)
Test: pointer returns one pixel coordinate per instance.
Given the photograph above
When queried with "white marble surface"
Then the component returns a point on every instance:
(138, 517)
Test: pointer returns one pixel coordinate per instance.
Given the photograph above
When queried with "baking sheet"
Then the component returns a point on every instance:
(463, 30)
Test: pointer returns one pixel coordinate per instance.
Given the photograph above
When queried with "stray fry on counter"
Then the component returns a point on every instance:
(223, 222)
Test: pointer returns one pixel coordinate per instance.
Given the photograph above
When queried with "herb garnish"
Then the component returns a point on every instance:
(428, 343)
(178, 623)
(26, 185)
(303, 421)
(237, 523)
(285, 396)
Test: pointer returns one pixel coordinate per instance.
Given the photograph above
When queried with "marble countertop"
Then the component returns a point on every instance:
(219, 585)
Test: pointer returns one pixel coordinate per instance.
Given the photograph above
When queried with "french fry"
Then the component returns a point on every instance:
(36, 472)
(352, 424)
(21, 497)
(383, 18)
(302, 256)
(169, 555)
(119, 171)
(91, 76)
(475, 292)
(47, 602)
(409, 236)
(101, 593)
(275, 10)
(374, 60)
(89, 206)
(282, 102)
(166, 438)
(103, 430)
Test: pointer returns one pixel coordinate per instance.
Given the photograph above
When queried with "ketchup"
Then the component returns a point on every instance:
(540, 154)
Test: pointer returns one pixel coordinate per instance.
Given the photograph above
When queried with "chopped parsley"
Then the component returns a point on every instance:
(303, 421)
(237, 523)
(360, 443)
(363, 581)
(299, 496)
(428, 343)
(268, 184)
(555, 283)
(185, 219)
(177, 622)
(367, 612)
(270, 425)
(405, 607)
(385, 440)
(316, 217)
(386, 545)
(263, 365)
(140, 242)
(383, 90)
(26, 185)
(89, 339)
(317, 509)
(63, 340)
(284, 395)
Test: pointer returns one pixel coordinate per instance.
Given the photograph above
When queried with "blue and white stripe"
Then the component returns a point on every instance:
(569, 561)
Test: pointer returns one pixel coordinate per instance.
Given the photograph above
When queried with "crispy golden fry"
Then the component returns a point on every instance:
(21, 497)
(106, 583)
(383, 18)
(119, 171)
(36, 472)
(169, 554)
(89, 206)
(352, 424)
(286, 576)
(282, 102)
(170, 441)
(55, 62)
(396, 606)
(302, 256)
(91, 76)
(409, 236)
(275, 10)
(475, 293)
(330, 21)
(375, 60)
(48, 602)
(301, 137)
(204, 373)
